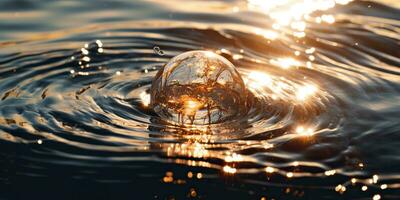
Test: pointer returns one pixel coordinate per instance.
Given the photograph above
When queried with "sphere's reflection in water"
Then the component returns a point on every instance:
(198, 87)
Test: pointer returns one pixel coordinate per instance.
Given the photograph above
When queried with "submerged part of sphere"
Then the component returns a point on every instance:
(198, 87)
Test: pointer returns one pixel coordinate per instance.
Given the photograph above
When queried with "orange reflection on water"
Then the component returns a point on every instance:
(304, 131)
(195, 150)
(233, 158)
(229, 169)
(257, 80)
(285, 63)
(278, 87)
(340, 188)
(295, 13)
(269, 169)
(271, 35)
(305, 92)
(145, 98)
(330, 172)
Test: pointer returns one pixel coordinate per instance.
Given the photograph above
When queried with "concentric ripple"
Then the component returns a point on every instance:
(324, 118)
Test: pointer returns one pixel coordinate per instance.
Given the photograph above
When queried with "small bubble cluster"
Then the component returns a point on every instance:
(158, 51)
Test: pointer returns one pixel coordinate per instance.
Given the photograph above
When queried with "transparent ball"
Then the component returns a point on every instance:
(198, 87)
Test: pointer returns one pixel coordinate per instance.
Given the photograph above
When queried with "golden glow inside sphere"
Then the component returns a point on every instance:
(200, 88)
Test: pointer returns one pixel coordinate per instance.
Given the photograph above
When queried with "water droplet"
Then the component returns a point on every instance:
(86, 59)
(190, 174)
(269, 170)
(198, 87)
(84, 51)
(364, 188)
(376, 197)
(340, 188)
(353, 180)
(158, 51)
(199, 175)
(99, 43)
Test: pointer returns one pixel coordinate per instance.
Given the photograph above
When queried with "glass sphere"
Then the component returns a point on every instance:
(198, 87)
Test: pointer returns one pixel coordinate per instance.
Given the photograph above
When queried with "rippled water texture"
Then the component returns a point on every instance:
(75, 120)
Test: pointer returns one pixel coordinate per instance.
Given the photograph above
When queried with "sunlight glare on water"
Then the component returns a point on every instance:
(295, 13)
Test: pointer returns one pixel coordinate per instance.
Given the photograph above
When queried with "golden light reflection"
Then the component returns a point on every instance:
(330, 172)
(328, 19)
(195, 150)
(257, 80)
(168, 178)
(193, 163)
(310, 50)
(299, 26)
(375, 178)
(305, 92)
(191, 106)
(270, 35)
(145, 98)
(285, 63)
(289, 174)
(234, 158)
(190, 174)
(229, 169)
(237, 56)
(199, 175)
(364, 188)
(309, 65)
(340, 188)
(295, 13)
(304, 131)
(269, 170)
(193, 192)
(376, 197)
(263, 84)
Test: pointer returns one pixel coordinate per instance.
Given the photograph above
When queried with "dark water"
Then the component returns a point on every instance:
(74, 87)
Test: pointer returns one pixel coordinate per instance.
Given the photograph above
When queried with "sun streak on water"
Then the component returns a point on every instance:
(295, 13)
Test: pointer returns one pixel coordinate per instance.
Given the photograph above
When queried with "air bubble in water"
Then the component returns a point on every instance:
(198, 87)
(158, 51)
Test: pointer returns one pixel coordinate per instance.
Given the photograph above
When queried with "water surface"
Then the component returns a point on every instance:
(75, 121)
